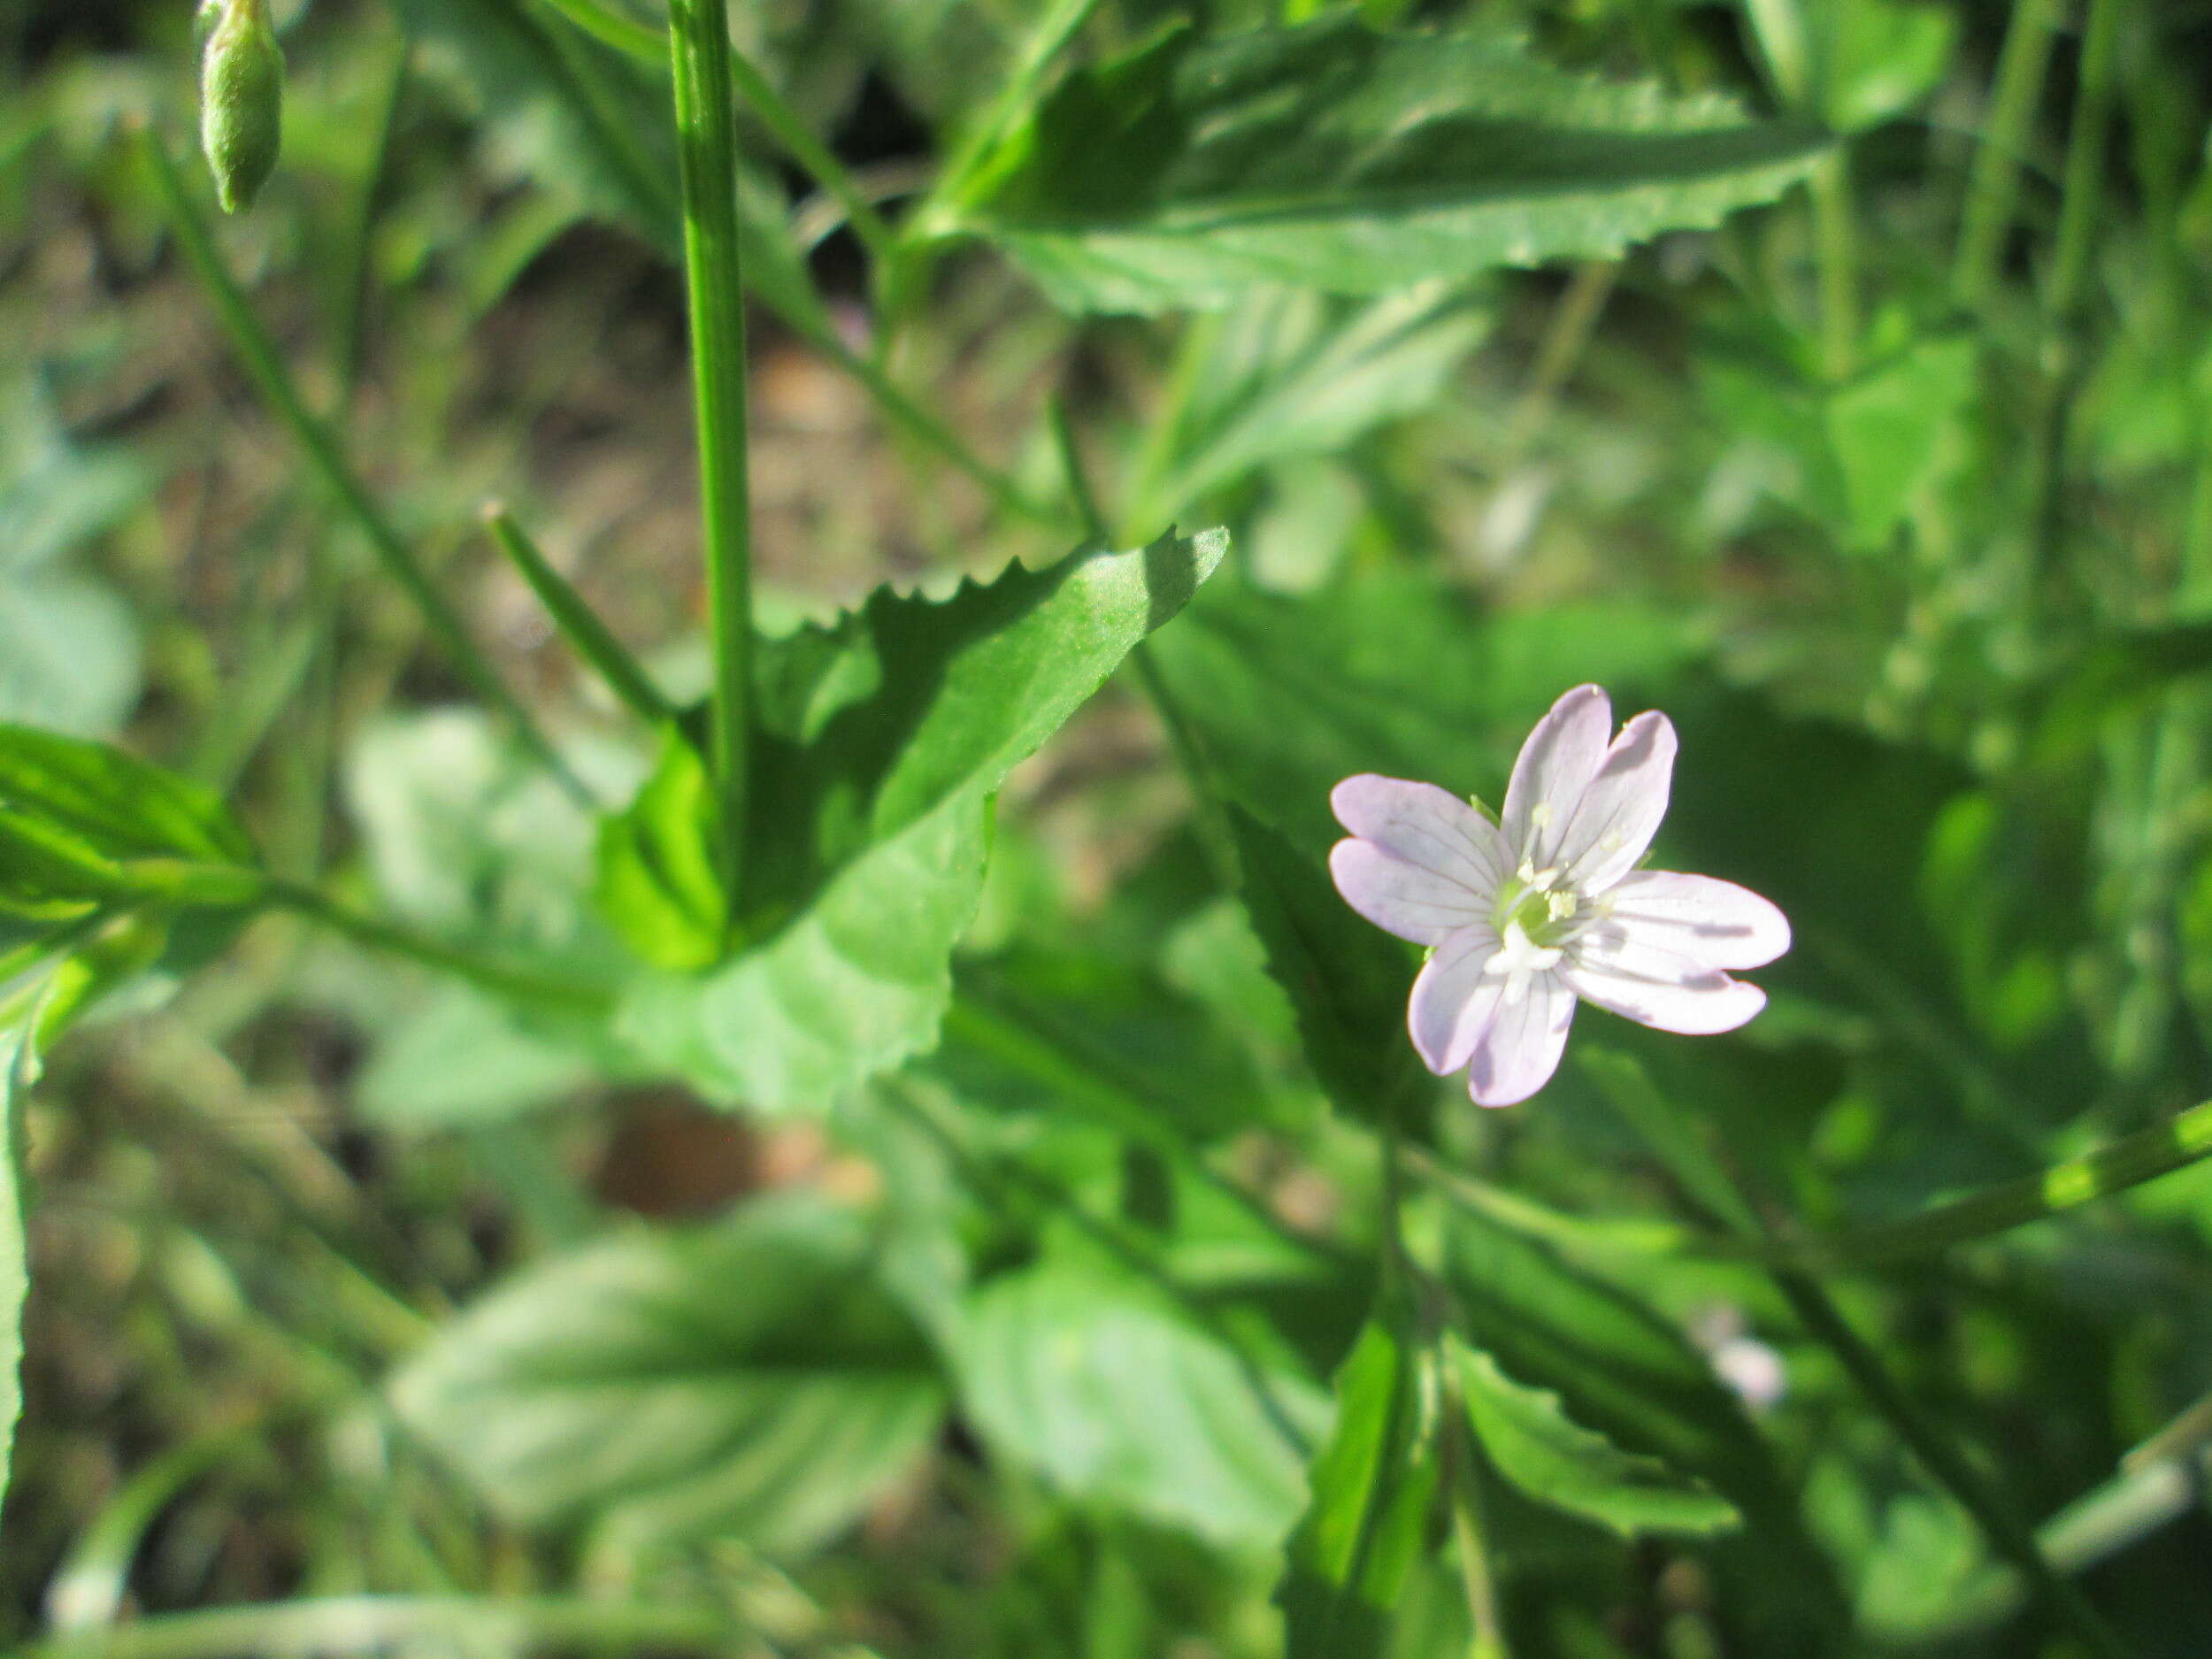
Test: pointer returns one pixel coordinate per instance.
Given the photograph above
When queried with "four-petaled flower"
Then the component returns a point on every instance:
(1524, 916)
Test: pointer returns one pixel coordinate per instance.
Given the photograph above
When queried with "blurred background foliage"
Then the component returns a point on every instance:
(1896, 494)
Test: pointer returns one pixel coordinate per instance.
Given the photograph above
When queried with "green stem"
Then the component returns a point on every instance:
(1837, 239)
(1710, 1187)
(579, 623)
(1079, 492)
(1054, 31)
(1573, 320)
(1942, 1458)
(1994, 187)
(2084, 193)
(370, 1624)
(503, 979)
(1217, 840)
(266, 367)
(1057, 1060)
(1468, 1540)
(699, 52)
(811, 153)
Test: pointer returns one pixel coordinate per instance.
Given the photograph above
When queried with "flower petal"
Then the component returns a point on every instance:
(1451, 1001)
(1619, 812)
(1557, 763)
(1716, 922)
(1636, 975)
(1424, 825)
(1519, 1048)
(1403, 898)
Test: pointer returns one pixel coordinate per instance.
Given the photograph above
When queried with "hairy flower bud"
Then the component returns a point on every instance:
(241, 99)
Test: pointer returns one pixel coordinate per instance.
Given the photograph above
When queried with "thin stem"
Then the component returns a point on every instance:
(2083, 195)
(1702, 1177)
(1045, 43)
(579, 623)
(699, 52)
(1975, 1492)
(1836, 237)
(503, 979)
(811, 153)
(1079, 492)
(266, 367)
(1460, 1477)
(382, 1623)
(1573, 320)
(1217, 840)
(1994, 187)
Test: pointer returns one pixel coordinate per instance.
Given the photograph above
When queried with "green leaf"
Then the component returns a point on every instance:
(1621, 1370)
(863, 863)
(1888, 428)
(1528, 1435)
(1371, 1489)
(1115, 1393)
(1293, 373)
(1331, 156)
(69, 651)
(18, 1066)
(657, 882)
(115, 802)
(1348, 980)
(463, 1060)
(749, 1379)
(1874, 59)
(1393, 672)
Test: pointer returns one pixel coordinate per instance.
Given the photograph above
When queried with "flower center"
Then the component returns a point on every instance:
(1538, 913)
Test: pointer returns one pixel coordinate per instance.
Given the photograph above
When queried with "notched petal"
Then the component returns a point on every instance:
(1554, 767)
(1424, 826)
(1402, 898)
(1714, 922)
(1520, 1044)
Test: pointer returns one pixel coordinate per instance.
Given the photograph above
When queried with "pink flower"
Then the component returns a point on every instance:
(1524, 916)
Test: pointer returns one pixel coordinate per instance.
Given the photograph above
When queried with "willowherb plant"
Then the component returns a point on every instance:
(1146, 1258)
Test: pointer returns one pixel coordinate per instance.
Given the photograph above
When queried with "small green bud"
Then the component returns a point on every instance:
(241, 99)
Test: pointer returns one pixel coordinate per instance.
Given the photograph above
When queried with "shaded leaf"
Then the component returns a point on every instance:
(1293, 374)
(863, 860)
(1113, 1391)
(748, 1380)
(1371, 1488)
(1334, 157)
(1528, 1435)
(657, 884)
(1346, 980)
(115, 802)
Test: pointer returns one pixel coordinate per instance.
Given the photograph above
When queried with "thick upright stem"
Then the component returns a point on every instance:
(699, 52)
(1994, 188)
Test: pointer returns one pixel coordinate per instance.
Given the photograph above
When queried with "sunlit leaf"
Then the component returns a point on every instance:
(657, 882)
(864, 862)
(748, 1380)
(1331, 156)
(1118, 1395)
(1371, 1488)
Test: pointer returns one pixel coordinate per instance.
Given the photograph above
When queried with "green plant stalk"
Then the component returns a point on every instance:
(1942, 1458)
(1468, 1541)
(1710, 1187)
(370, 1624)
(1836, 237)
(1054, 31)
(2082, 199)
(1994, 186)
(1573, 321)
(503, 979)
(811, 153)
(706, 132)
(266, 367)
(579, 623)
(1081, 494)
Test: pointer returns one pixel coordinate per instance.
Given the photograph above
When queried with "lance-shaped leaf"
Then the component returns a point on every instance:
(751, 1379)
(863, 859)
(1347, 982)
(1332, 156)
(1527, 1434)
(1370, 1491)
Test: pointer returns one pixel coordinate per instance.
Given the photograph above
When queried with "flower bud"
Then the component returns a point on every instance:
(241, 99)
